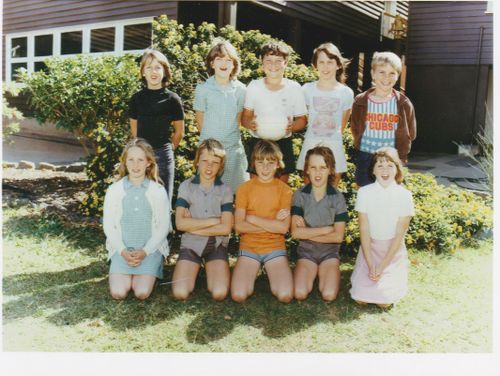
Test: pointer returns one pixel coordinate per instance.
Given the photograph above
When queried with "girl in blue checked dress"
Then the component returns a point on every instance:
(136, 221)
(218, 104)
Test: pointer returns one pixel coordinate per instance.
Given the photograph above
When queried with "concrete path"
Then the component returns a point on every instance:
(35, 150)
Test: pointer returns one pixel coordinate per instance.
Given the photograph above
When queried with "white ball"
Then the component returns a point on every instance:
(272, 127)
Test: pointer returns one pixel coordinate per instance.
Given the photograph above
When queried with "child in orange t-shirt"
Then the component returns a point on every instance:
(262, 217)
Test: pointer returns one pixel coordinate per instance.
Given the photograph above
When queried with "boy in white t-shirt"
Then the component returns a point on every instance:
(274, 96)
(329, 103)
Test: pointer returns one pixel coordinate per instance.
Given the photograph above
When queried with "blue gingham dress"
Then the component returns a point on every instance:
(221, 106)
(136, 228)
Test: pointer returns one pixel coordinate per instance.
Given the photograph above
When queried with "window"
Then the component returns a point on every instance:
(19, 47)
(43, 45)
(71, 43)
(28, 50)
(137, 37)
(102, 40)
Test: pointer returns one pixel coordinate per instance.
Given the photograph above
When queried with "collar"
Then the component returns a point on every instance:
(127, 184)
(197, 180)
(329, 189)
(211, 81)
(390, 186)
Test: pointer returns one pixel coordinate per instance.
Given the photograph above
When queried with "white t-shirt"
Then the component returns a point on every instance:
(326, 109)
(289, 101)
(384, 206)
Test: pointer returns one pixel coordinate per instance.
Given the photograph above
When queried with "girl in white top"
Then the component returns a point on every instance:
(385, 209)
(329, 103)
(136, 222)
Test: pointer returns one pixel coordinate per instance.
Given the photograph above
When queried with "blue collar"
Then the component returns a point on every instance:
(211, 81)
(127, 184)
(329, 189)
(197, 180)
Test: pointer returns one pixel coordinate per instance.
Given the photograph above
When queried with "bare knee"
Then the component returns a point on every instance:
(329, 296)
(239, 296)
(284, 296)
(119, 294)
(219, 293)
(142, 294)
(301, 293)
(181, 293)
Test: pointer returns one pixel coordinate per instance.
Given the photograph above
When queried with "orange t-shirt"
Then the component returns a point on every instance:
(263, 200)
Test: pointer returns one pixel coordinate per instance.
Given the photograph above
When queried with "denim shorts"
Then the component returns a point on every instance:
(264, 257)
(210, 253)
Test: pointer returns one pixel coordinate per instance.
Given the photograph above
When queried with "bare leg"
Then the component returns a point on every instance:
(243, 280)
(336, 179)
(218, 278)
(184, 278)
(280, 278)
(143, 285)
(329, 279)
(303, 278)
(119, 285)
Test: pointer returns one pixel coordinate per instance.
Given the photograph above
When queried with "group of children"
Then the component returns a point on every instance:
(137, 208)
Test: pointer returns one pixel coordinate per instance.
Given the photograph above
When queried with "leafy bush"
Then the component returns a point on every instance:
(11, 116)
(89, 97)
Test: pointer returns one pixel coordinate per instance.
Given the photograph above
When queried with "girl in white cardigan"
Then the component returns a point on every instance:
(136, 222)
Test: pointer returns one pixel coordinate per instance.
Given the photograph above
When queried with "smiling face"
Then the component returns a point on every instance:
(327, 67)
(384, 76)
(208, 166)
(223, 67)
(274, 66)
(153, 72)
(266, 169)
(318, 171)
(136, 162)
(385, 171)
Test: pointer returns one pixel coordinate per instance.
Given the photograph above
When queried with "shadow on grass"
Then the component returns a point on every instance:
(73, 296)
(84, 238)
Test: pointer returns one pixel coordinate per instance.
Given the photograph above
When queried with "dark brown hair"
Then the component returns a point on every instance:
(221, 49)
(327, 154)
(275, 49)
(332, 52)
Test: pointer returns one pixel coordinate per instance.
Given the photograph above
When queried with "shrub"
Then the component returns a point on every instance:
(88, 96)
(11, 116)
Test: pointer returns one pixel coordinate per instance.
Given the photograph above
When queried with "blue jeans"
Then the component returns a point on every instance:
(363, 176)
(166, 166)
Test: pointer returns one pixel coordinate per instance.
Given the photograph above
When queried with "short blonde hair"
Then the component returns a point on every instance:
(151, 54)
(333, 53)
(265, 149)
(214, 147)
(220, 49)
(383, 58)
(151, 170)
(391, 155)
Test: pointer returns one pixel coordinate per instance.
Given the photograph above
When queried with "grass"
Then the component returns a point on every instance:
(55, 298)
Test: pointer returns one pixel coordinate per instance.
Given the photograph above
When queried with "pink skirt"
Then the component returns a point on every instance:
(392, 286)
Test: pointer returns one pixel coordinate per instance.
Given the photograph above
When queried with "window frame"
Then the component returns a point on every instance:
(31, 59)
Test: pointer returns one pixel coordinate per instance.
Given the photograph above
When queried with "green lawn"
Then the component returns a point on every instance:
(55, 298)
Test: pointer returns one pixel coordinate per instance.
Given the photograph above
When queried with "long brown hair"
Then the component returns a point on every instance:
(151, 170)
(332, 52)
